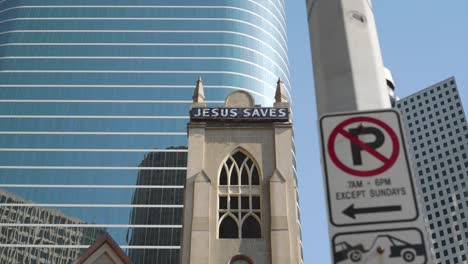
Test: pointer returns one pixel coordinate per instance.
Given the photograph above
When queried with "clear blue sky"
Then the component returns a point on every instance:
(423, 42)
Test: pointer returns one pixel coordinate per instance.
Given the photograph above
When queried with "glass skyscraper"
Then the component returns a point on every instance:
(94, 100)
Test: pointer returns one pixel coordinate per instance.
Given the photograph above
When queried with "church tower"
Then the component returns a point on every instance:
(241, 190)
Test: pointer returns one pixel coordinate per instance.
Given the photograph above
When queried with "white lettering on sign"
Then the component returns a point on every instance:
(257, 113)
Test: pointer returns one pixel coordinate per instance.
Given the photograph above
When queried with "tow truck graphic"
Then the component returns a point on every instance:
(398, 249)
(404, 249)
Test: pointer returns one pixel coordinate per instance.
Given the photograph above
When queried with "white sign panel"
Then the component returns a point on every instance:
(367, 173)
(394, 246)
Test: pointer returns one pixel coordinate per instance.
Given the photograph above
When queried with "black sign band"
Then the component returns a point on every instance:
(240, 114)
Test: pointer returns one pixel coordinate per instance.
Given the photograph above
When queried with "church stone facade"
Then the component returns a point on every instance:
(241, 192)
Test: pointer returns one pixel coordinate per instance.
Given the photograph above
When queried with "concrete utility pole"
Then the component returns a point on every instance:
(373, 209)
(348, 68)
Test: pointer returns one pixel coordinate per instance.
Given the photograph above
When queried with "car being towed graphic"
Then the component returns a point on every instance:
(344, 251)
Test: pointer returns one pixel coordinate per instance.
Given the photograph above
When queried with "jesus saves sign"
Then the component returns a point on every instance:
(254, 113)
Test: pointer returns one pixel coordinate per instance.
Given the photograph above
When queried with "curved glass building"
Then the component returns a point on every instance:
(94, 101)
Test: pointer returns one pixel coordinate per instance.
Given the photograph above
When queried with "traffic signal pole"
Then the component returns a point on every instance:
(347, 61)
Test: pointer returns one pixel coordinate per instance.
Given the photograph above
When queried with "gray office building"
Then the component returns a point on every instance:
(437, 133)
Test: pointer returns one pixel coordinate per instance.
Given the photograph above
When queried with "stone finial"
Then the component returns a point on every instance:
(280, 96)
(199, 94)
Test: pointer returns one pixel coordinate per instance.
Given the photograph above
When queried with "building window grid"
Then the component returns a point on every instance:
(239, 199)
(444, 191)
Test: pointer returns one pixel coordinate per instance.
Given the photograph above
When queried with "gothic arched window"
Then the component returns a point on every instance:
(239, 198)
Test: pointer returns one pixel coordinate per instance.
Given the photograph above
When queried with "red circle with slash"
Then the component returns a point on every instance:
(387, 161)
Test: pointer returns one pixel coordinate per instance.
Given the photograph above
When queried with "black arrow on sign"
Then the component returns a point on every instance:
(352, 212)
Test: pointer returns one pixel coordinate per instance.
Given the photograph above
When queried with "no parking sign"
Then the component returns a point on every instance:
(373, 210)
(352, 129)
(367, 172)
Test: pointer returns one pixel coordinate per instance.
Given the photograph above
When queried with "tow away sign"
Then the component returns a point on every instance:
(367, 173)
(393, 246)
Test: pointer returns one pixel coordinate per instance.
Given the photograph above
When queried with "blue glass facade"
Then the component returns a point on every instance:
(94, 100)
